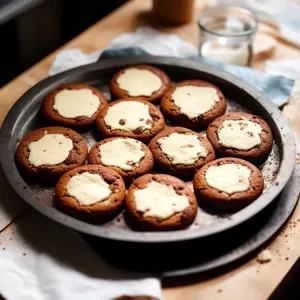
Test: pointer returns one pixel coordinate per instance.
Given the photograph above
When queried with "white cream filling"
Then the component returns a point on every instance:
(88, 188)
(240, 134)
(139, 82)
(51, 149)
(194, 101)
(182, 148)
(76, 103)
(228, 178)
(123, 153)
(128, 116)
(159, 201)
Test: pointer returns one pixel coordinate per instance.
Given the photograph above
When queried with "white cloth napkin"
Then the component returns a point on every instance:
(43, 260)
(148, 39)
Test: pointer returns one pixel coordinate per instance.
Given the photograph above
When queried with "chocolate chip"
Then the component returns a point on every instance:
(139, 130)
(122, 122)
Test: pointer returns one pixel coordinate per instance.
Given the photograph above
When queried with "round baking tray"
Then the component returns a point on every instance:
(25, 116)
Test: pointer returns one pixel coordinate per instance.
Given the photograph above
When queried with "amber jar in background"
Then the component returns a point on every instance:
(173, 12)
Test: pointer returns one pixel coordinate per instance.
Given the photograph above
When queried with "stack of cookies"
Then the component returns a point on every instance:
(137, 153)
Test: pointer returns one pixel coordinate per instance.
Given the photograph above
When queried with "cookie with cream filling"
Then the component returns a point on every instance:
(160, 202)
(241, 135)
(181, 151)
(47, 153)
(142, 81)
(129, 157)
(73, 105)
(90, 192)
(228, 183)
(134, 118)
(193, 103)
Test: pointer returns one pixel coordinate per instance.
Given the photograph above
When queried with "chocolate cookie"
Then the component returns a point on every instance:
(160, 202)
(129, 157)
(241, 135)
(141, 81)
(73, 105)
(90, 192)
(181, 151)
(47, 153)
(193, 103)
(228, 183)
(133, 118)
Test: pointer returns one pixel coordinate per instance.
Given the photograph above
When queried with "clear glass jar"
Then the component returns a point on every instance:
(226, 34)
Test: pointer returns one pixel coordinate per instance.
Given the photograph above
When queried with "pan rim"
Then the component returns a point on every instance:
(288, 158)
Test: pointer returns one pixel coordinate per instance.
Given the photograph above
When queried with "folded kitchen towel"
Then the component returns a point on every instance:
(146, 41)
(289, 69)
(43, 260)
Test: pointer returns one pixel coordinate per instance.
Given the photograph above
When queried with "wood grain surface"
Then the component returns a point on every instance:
(249, 281)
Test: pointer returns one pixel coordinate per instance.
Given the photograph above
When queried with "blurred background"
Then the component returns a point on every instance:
(31, 29)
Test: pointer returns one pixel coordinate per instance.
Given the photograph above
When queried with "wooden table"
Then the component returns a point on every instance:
(249, 281)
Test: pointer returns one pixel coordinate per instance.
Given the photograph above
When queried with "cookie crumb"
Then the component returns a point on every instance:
(219, 290)
(264, 256)
(24, 254)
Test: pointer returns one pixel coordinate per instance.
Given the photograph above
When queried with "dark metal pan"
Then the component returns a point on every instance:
(25, 116)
